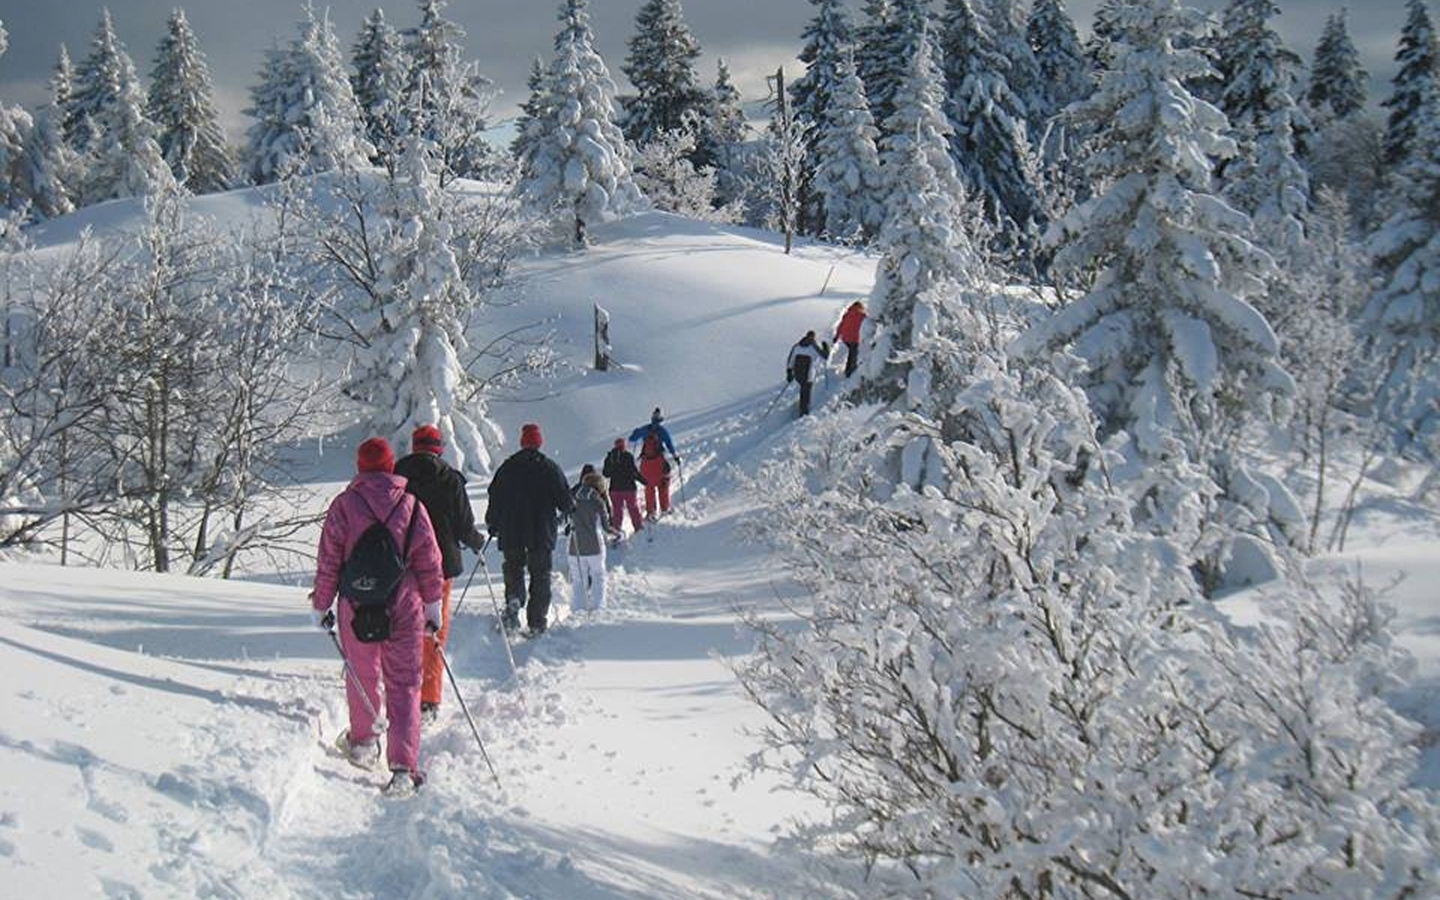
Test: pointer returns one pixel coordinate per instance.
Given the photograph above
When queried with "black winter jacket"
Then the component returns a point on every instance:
(527, 496)
(442, 491)
(620, 468)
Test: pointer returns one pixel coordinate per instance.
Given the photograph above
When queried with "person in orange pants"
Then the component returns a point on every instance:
(654, 440)
(441, 490)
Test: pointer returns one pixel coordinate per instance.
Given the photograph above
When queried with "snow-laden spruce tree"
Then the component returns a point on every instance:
(886, 44)
(661, 67)
(1064, 71)
(725, 133)
(1180, 359)
(1337, 80)
(922, 242)
(182, 105)
(1402, 320)
(846, 180)
(113, 134)
(1417, 67)
(1005, 22)
(1002, 687)
(398, 264)
(536, 98)
(990, 143)
(829, 43)
(447, 99)
(380, 70)
(1258, 72)
(306, 120)
(576, 166)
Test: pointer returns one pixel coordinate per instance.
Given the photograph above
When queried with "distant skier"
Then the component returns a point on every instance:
(654, 441)
(376, 494)
(527, 495)
(589, 525)
(802, 364)
(848, 333)
(625, 479)
(442, 490)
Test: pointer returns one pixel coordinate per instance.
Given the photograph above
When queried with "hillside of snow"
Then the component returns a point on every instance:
(164, 736)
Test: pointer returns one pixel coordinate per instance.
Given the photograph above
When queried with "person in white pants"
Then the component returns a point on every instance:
(589, 524)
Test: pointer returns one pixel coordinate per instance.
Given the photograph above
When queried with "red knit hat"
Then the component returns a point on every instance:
(530, 436)
(374, 456)
(426, 439)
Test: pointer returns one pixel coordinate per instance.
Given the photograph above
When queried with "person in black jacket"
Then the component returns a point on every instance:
(528, 495)
(624, 477)
(441, 490)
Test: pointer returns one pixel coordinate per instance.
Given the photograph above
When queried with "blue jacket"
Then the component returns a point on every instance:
(637, 437)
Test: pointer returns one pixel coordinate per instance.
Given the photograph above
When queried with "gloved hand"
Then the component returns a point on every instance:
(789, 375)
(676, 457)
(433, 616)
(323, 619)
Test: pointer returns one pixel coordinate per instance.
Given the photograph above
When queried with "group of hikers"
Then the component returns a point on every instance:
(416, 511)
(390, 548)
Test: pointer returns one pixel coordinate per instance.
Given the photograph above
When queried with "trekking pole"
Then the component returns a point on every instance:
(500, 616)
(473, 569)
(783, 388)
(679, 480)
(455, 686)
(380, 722)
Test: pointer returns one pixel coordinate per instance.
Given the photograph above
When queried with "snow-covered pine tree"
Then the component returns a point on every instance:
(667, 177)
(447, 99)
(1402, 321)
(577, 164)
(62, 95)
(725, 133)
(922, 244)
(182, 105)
(990, 143)
(1006, 29)
(1337, 80)
(533, 108)
(1064, 71)
(847, 177)
(1258, 72)
(661, 67)
(117, 139)
(887, 44)
(1417, 68)
(380, 72)
(1180, 359)
(828, 39)
(306, 120)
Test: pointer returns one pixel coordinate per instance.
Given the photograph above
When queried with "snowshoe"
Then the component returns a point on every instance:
(364, 755)
(403, 784)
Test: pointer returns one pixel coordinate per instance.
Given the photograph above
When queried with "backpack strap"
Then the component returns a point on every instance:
(409, 527)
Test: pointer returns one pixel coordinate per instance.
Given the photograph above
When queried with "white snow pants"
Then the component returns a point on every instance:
(587, 582)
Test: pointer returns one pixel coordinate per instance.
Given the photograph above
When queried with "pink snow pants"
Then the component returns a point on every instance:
(396, 662)
(620, 501)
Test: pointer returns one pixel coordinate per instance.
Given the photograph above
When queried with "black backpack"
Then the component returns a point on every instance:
(372, 574)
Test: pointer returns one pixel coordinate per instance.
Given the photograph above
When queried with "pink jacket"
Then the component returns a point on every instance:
(371, 496)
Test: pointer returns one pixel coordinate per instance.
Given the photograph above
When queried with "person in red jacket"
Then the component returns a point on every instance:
(377, 494)
(848, 333)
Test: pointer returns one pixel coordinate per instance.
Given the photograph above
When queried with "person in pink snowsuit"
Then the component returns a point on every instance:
(376, 493)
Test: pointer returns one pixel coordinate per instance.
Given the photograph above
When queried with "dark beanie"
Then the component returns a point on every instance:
(374, 456)
(620, 443)
(656, 417)
(426, 438)
(530, 436)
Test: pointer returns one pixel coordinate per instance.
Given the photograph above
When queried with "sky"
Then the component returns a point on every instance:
(166, 737)
(755, 37)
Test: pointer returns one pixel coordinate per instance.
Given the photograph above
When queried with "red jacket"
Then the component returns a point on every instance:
(848, 331)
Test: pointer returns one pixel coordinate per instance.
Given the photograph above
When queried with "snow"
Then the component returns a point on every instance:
(164, 736)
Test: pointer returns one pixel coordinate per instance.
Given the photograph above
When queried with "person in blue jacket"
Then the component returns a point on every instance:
(654, 441)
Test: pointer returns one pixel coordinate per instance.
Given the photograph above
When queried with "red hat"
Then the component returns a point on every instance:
(530, 436)
(374, 456)
(426, 438)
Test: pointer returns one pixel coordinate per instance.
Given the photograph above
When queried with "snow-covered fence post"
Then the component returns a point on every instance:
(602, 339)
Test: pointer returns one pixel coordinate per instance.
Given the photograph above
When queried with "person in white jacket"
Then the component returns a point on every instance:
(803, 364)
(589, 524)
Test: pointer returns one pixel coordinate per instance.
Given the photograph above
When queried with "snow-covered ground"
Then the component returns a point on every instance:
(166, 736)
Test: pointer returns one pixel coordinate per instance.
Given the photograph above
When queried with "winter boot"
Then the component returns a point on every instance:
(403, 783)
(364, 755)
(429, 714)
(510, 621)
